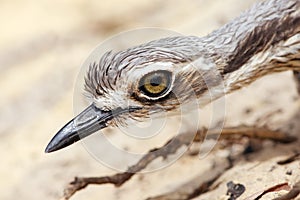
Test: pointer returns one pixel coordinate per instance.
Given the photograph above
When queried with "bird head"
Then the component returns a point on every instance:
(135, 83)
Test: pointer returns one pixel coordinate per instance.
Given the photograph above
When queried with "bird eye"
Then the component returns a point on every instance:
(155, 84)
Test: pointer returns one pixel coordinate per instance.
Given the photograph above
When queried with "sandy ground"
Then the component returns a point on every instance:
(42, 46)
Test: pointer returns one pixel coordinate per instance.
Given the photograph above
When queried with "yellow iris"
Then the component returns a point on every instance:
(155, 83)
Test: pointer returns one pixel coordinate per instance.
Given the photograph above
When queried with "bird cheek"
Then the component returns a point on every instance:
(140, 115)
(132, 90)
(103, 103)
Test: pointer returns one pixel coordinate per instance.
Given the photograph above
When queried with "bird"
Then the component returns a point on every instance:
(159, 75)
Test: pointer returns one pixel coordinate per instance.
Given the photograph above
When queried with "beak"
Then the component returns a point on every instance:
(87, 122)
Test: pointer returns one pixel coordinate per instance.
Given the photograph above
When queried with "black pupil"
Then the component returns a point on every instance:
(156, 80)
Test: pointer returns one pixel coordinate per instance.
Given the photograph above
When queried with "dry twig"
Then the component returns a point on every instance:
(293, 193)
(118, 179)
(170, 148)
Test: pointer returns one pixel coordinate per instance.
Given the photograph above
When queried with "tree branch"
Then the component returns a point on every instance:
(170, 148)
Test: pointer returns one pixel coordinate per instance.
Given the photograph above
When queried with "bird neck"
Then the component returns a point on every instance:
(262, 40)
(277, 58)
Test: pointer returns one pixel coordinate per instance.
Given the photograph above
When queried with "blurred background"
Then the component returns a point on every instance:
(42, 46)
